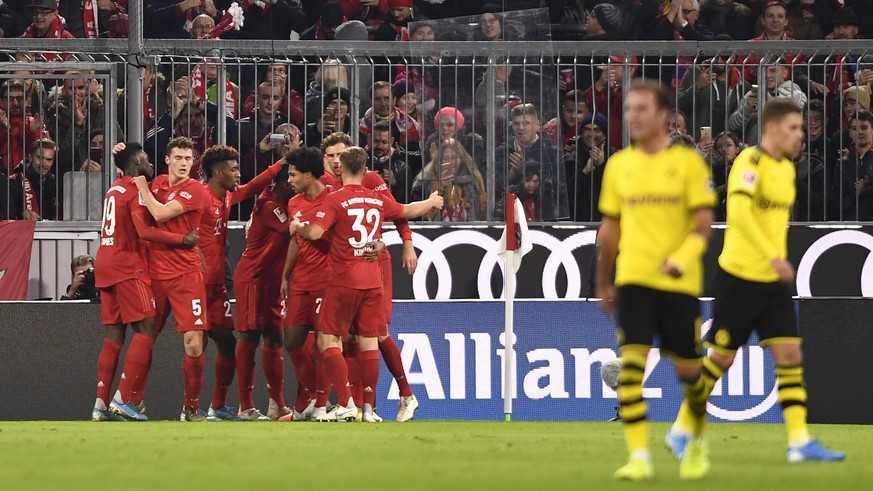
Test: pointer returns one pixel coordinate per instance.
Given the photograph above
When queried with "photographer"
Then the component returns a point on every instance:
(82, 283)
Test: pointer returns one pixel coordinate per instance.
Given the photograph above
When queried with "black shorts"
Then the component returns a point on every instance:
(742, 306)
(674, 317)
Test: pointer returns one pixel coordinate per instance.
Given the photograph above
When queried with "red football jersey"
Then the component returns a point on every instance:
(328, 179)
(372, 180)
(267, 243)
(312, 268)
(121, 256)
(354, 216)
(169, 262)
(213, 224)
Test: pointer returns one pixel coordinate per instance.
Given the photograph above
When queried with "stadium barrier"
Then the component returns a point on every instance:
(452, 352)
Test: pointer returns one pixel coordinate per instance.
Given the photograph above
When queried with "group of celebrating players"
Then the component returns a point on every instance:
(318, 212)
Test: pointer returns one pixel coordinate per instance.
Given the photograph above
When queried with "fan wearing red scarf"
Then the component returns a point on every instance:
(46, 23)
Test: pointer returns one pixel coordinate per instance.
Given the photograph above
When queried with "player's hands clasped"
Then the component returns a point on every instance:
(784, 269)
(191, 239)
(295, 226)
(373, 250)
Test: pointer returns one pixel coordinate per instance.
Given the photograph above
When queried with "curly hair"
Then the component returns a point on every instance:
(213, 156)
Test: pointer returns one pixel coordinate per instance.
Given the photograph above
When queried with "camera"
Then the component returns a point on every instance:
(88, 290)
(280, 139)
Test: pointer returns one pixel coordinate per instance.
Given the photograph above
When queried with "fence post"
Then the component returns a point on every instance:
(134, 84)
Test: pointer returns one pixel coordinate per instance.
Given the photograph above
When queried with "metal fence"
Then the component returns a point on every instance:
(471, 120)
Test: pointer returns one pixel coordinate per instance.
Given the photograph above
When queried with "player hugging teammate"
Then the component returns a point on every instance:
(334, 324)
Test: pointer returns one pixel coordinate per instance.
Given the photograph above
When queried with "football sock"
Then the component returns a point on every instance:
(792, 398)
(245, 372)
(337, 372)
(192, 367)
(311, 352)
(352, 355)
(303, 376)
(274, 372)
(391, 355)
(225, 368)
(136, 365)
(691, 422)
(137, 391)
(369, 376)
(322, 383)
(632, 406)
(107, 363)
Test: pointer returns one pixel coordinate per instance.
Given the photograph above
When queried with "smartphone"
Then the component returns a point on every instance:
(280, 138)
(96, 154)
(705, 132)
(330, 114)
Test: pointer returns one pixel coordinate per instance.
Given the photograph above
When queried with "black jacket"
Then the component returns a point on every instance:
(45, 190)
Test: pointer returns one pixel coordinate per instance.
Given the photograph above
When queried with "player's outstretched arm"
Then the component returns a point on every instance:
(310, 231)
(258, 184)
(161, 212)
(419, 208)
(607, 250)
(290, 262)
(694, 246)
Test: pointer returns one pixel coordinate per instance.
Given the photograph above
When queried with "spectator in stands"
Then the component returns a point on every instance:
(45, 21)
(527, 148)
(335, 117)
(490, 24)
(84, 22)
(404, 129)
(204, 84)
(709, 91)
(262, 120)
(854, 99)
(799, 22)
(727, 17)
(33, 185)
(34, 92)
(94, 162)
(291, 106)
(605, 95)
(852, 191)
(744, 120)
(273, 19)
(452, 173)
(774, 23)
(563, 129)
(407, 100)
(71, 114)
(448, 123)
(584, 167)
(259, 158)
(18, 129)
(811, 174)
(331, 17)
(330, 75)
(725, 149)
(81, 285)
(13, 22)
(201, 25)
(604, 23)
(395, 26)
(814, 125)
(389, 163)
(172, 19)
(681, 22)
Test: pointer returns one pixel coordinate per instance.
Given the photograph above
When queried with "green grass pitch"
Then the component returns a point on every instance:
(417, 456)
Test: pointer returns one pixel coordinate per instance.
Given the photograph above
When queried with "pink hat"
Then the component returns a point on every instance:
(450, 112)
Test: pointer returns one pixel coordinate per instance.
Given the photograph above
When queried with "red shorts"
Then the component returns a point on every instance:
(126, 302)
(303, 308)
(185, 296)
(256, 309)
(218, 307)
(344, 306)
(387, 286)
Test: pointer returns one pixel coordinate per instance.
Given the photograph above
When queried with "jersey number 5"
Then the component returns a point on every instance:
(372, 217)
(109, 216)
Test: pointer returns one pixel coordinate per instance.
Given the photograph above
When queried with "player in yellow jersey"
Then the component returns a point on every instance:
(752, 287)
(657, 203)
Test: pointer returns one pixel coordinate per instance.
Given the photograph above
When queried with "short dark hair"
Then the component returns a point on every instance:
(354, 160)
(575, 96)
(44, 143)
(814, 105)
(336, 139)
(776, 109)
(863, 115)
(662, 97)
(381, 84)
(124, 158)
(215, 155)
(9, 86)
(773, 3)
(180, 142)
(306, 159)
(381, 127)
(526, 109)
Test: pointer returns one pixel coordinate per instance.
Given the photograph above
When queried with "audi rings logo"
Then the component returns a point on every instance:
(560, 255)
(825, 243)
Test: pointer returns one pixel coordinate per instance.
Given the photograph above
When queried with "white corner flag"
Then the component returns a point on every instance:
(513, 245)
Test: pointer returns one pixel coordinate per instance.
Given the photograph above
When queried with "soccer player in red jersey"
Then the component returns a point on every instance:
(177, 203)
(307, 260)
(121, 275)
(354, 293)
(333, 146)
(220, 166)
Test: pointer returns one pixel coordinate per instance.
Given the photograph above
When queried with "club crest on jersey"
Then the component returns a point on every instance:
(281, 215)
(171, 196)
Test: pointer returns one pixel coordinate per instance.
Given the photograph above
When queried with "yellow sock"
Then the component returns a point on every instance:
(691, 419)
(792, 398)
(632, 406)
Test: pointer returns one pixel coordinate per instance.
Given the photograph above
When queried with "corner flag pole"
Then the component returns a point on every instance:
(509, 296)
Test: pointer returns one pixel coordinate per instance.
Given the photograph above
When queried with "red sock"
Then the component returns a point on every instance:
(192, 367)
(311, 352)
(107, 363)
(391, 355)
(245, 373)
(274, 372)
(137, 390)
(225, 368)
(301, 369)
(322, 383)
(352, 354)
(369, 376)
(337, 372)
(136, 365)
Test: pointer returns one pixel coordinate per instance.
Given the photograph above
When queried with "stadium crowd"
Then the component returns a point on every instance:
(424, 123)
